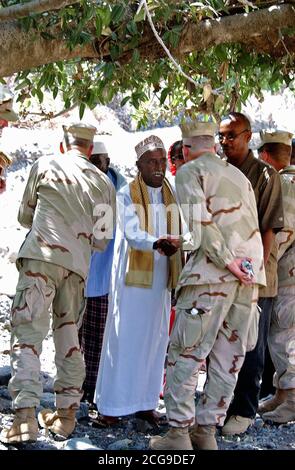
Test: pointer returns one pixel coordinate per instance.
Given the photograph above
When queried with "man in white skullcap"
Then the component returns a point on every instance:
(275, 149)
(136, 334)
(6, 114)
(216, 297)
(97, 286)
(63, 206)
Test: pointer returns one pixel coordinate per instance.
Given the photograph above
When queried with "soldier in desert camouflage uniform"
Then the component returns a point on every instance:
(234, 137)
(60, 206)
(216, 299)
(276, 150)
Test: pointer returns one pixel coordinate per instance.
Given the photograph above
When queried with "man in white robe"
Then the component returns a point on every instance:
(136, 335)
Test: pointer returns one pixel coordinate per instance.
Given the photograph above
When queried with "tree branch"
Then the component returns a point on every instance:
(257, 31)
(50, 116)
(35, 6)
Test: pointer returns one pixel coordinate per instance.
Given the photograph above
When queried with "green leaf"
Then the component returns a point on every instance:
(85, 37)
(105, 14)
(55, 92)
(40, 95)
(124, 101)
(164, 93)
(27, 23)
(140, 16)
(22, 84)
(98, 25)
(131, 27)
(89, 12)
(156, 74)
(108, 70)
(174, 38)
(135, 57)
(117, 13)
(82, 110)
(115, 52)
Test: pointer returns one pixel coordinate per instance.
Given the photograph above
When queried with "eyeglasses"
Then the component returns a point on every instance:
(230, 136)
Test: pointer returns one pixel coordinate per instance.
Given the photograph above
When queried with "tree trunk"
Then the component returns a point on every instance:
(260, 30)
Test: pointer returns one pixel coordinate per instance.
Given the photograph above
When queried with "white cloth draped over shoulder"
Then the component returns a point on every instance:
(136, 335)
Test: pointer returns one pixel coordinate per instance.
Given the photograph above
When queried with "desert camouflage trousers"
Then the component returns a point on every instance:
(281, 339)
(41, 285)
(226, 323)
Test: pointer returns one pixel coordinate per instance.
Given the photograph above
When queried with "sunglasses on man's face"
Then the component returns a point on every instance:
(230, 136)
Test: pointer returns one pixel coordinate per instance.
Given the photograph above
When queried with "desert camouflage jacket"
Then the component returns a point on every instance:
(65, 205)
(220, 210)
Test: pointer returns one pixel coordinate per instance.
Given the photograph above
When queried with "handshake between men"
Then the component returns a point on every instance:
(165, 247)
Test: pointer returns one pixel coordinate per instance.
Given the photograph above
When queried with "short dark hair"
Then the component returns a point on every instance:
(276, 149)
(235, 116)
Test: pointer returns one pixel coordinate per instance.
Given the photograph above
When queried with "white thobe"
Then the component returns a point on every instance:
(136, 335)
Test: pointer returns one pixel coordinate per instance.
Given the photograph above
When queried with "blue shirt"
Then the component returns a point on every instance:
(101, 264)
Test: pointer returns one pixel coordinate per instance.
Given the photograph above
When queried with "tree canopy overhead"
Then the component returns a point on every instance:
(187, 56)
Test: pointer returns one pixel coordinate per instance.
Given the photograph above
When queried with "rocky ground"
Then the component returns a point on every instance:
(131, 433)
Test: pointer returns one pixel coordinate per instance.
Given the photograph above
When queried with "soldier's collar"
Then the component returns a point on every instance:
(290, 169)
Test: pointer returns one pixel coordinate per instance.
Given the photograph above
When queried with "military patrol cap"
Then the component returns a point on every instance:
(80, 130)
(99, 147)
(197, 128)
(5, 159)
(275, 137)
(6, 99)
(149, 143)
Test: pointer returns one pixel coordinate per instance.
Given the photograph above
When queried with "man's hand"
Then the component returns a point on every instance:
(164, 247)
(174, 240)
(235, 268)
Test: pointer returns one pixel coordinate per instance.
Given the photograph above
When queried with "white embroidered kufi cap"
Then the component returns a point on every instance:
(150, 143)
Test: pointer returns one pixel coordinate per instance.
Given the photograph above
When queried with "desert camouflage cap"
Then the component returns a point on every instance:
(197, 128)
(5, 159)
(150, 143)
(80, 130)
(275, 137)
(6, 101)
(99, 147)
